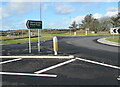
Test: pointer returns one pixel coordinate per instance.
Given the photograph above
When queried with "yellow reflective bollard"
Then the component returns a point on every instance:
(86, 32)
(55, 45)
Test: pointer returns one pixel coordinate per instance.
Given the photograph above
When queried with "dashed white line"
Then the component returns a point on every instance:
(27, 74)
(8, 61)
(54, 66)
(94, 62)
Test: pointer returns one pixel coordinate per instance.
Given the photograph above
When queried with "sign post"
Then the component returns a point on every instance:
(38, 40)
(32, 24)
(29, 41)
(115, 30)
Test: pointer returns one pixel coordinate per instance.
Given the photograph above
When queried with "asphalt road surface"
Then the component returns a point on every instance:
(74, 73)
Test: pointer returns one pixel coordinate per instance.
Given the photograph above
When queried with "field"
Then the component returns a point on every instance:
(46, 35)
(25, 40)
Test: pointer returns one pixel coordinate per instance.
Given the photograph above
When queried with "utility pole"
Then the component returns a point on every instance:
(39, 30)
(70, 23)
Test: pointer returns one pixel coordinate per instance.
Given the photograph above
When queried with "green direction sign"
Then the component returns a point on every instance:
(31, 24)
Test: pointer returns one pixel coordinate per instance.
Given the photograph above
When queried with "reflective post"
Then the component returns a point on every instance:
(55, 45)
(86, 33)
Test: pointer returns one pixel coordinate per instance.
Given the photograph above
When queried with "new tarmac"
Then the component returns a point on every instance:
(74, 73)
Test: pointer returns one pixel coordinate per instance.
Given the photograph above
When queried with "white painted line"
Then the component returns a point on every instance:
(8, 61)
(104, 41)
(94, 62)
(60, 57)
(27, 74)
(54, 66)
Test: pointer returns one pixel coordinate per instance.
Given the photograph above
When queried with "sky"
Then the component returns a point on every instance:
(55, 15)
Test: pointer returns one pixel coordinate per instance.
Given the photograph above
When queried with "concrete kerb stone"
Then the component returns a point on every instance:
(104, 41)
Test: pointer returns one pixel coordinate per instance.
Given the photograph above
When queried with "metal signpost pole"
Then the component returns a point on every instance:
(29, 42)
(39, 32)
(38, 40)
(70, 28)
(113, 36)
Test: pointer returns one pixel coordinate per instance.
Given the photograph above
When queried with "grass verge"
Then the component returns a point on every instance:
(115, 39)
(25, 40)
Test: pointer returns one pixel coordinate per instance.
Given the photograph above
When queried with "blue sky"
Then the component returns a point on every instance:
(54, 14)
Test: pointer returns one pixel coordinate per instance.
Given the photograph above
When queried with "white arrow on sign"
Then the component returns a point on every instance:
(115, 30)
(27, 24)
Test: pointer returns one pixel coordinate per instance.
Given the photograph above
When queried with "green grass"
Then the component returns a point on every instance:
(11, 37)
(98, 34)
(115, 39)
(44, 37)
(25, 40)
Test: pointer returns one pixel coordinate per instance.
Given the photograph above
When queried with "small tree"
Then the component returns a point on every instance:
(90, 22)
(95, 25)
(105, 24)
(115, 21)
(87, 21)
(73, 26)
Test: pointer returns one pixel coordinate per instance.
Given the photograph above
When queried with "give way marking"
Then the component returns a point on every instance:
(8, 61)
(27, 74)
(55, 66)
(98, 63)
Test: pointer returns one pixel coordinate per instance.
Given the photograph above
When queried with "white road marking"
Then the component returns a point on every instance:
(60, 57)
(94, 62)
(27, 74)
(55, 66)
(8, 61)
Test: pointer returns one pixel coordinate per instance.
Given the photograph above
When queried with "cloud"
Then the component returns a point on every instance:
(64, 9)
(4, 14)
(30, 0)
(61, 0)
(18, 7)
(92, 0)
(0, 13)
(112, 11)
(97, 15)
(56, 25)
(78, 19)
(52, 24)
(45, 6)
(109, 14)
(21, 8)
(13, 9)
(14, 24)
